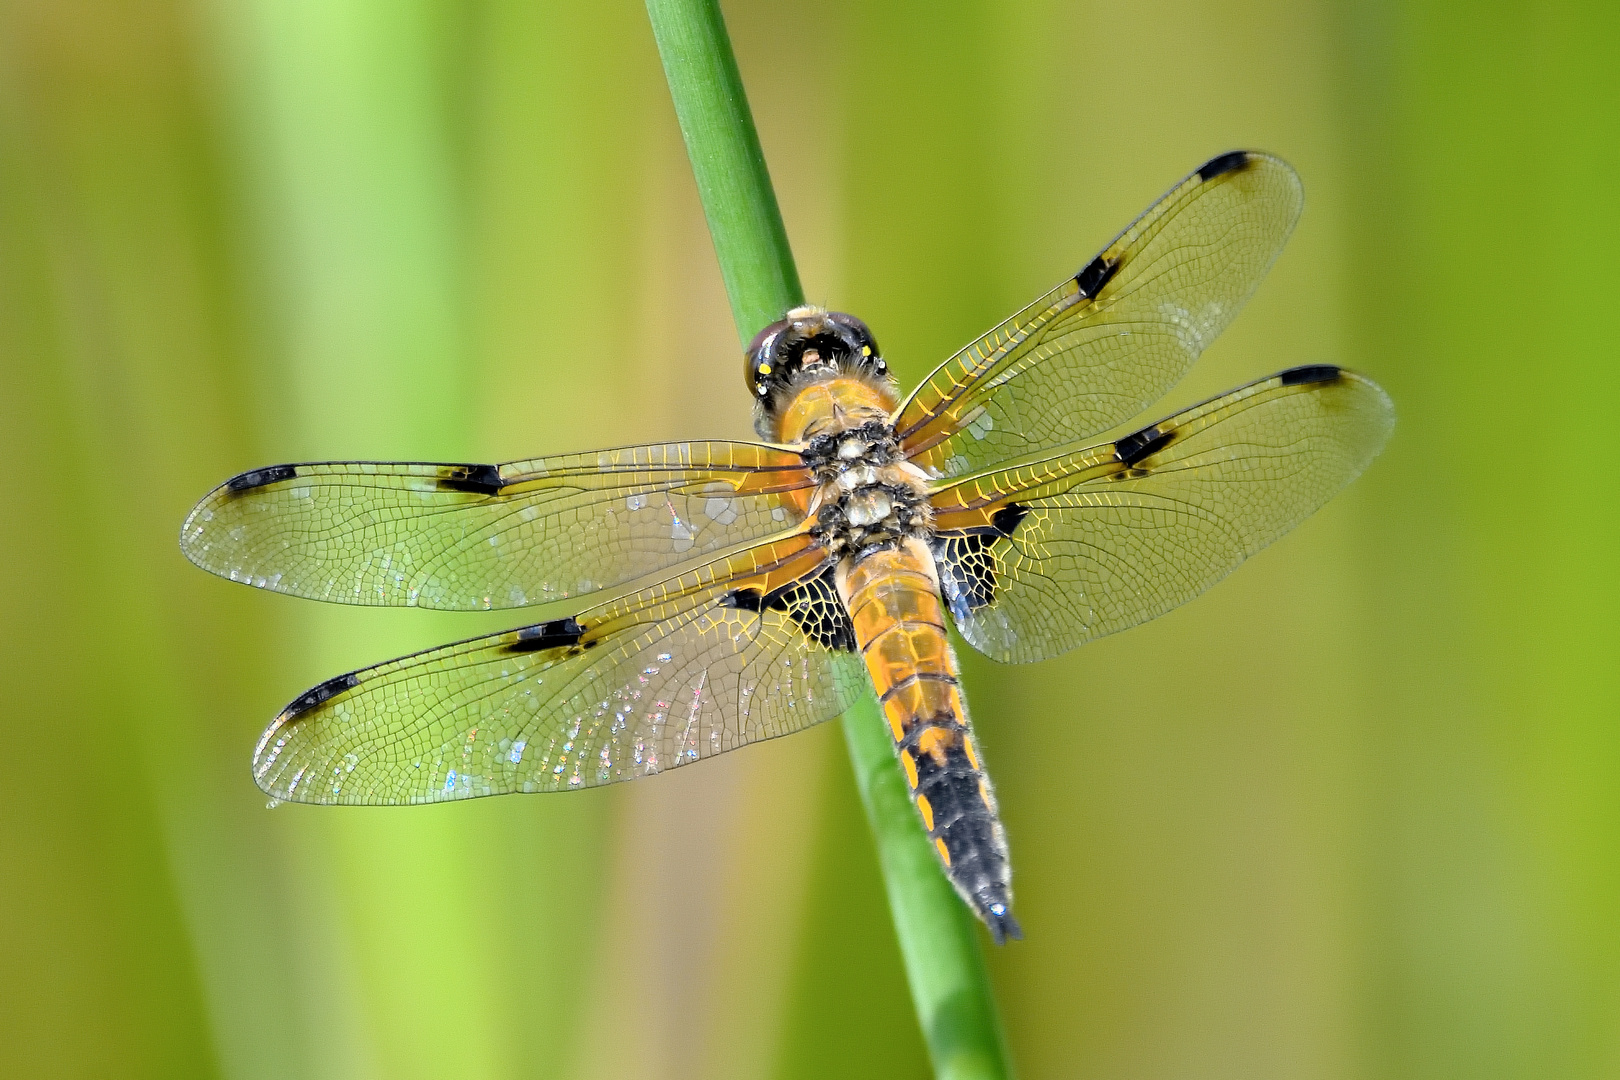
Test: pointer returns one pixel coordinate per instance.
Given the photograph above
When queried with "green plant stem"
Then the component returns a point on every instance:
(744, 221)
(938, 939)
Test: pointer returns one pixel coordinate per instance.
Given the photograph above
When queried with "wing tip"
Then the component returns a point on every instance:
(1234, 162)
(1331, 375)
(197, 539)
(274, 740)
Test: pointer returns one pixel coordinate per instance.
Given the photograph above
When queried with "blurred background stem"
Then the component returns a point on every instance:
(949, 984)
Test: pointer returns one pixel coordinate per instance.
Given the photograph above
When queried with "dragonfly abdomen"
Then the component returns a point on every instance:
(892, 596)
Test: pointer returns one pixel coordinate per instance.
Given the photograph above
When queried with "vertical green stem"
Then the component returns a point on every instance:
(949, 985)
(729, 165)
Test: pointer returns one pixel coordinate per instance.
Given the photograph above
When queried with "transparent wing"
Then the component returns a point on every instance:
(741, 649)
(490, 536)
(1037, 559)
(1107, 343)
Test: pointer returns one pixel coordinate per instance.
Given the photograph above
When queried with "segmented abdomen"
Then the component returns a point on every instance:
(893, 600)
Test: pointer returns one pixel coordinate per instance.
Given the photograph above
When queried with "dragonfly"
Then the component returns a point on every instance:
(704, 596)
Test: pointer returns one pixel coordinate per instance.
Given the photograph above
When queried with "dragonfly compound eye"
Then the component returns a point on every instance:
(808, 339)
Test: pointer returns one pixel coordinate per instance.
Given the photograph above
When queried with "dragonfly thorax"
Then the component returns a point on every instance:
(871, 498)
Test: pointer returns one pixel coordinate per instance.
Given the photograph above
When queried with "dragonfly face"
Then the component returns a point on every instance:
(702, 596)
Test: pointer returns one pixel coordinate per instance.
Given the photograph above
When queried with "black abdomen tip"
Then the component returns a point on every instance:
(995, 908)
(1004, 927)
(1220, 166)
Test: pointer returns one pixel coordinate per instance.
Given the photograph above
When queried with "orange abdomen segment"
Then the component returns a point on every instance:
(893, 601)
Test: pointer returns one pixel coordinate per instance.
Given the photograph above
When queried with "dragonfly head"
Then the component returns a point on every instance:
(808, 344)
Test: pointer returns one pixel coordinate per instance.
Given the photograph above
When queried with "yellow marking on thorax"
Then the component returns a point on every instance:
(845, 401)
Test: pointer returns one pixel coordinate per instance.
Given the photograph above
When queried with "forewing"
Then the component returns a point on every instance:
(1107, 343)
(490, 536)
(742, 649)
(1037, 559)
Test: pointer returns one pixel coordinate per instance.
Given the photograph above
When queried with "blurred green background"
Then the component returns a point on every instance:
(1356, 813)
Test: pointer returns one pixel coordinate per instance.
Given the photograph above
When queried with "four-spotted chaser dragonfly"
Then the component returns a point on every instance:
(754, 589)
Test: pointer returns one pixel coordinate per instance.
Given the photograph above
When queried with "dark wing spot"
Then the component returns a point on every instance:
(815, 607)
(1095, 274)
(473, 479)
(1140, 444)
(1220, 166)
(744, 600)
(811, 602)
(320, 695)
(967, 566)
(1312, 373)
(557, 634)
(258, 478)
(1005, 520)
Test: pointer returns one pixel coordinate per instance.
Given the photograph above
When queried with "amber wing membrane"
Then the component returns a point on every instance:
(490, 536)
(1107, 343)
(744, 648)
(1037, 559)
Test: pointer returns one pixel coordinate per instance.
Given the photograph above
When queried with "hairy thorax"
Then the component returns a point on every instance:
(870, 498)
